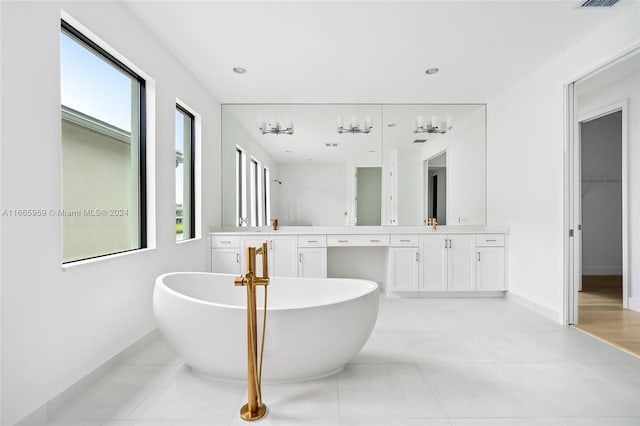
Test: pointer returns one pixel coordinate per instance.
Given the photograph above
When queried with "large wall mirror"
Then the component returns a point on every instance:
(353, 164)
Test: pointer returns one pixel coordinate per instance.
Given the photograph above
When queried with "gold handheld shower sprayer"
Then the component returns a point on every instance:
(255, 408)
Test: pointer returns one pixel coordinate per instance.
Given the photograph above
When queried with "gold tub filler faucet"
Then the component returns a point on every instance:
(255, 408)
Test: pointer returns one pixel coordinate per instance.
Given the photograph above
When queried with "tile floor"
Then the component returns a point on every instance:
(454, 362)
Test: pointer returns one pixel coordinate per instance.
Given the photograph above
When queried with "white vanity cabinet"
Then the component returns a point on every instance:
(312, 256)
(225, 255)
(414, 261)
(448, 262)
(282, 253)
(404, 263)
(490, 262)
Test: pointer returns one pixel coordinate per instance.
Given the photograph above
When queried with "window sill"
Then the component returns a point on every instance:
(79, 263)
(188, 240)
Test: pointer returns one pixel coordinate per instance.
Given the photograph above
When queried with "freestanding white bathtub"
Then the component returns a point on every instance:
(314, 326)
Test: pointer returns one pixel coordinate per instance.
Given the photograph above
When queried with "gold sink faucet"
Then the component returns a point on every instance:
(432, 221)
(255, 408)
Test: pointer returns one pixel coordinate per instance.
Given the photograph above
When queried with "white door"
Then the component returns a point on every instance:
(490, 268)
(434, 262)
(405, 269)
(461, 268)
(312, 262)
(284, 253)
(225, 261)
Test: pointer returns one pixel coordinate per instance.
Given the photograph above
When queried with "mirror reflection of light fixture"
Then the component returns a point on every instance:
(275, 127)
(434, 126)
(354, 126)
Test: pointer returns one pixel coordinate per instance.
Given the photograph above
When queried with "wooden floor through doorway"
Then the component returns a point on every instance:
(601, 313)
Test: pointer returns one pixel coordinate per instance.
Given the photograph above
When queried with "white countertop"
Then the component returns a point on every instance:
(358, 230)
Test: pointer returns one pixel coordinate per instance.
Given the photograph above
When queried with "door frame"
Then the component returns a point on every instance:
(573, 186)
(623, 107)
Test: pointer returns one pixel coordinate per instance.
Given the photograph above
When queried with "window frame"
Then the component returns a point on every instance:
(254, 175)
(241, 188)
(88, 43)
(266, 195)
(192, 173)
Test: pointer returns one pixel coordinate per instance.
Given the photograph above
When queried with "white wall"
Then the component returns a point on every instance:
(629, 89)
(312, 194)
(57, 326)
(601, 154)
(525, 146)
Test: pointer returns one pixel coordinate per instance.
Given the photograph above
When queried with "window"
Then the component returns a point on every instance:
(267, 195)
(103, 151)
(241, 188)
(185, 175)
(256, 217)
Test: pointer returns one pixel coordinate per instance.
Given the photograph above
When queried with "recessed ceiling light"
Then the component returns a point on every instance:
(309, 159)
(239, 70)
(371, 150)
(287, 150)
(432, 71)
(391, 125)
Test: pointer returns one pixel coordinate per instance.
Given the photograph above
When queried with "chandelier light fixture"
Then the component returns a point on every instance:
(354, 126)
(434, 126)
(275, 127)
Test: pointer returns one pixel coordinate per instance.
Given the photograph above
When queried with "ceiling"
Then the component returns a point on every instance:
(355, 51)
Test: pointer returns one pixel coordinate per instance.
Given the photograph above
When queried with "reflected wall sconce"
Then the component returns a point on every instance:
(354, 126)
(434, 126)
(275, 127)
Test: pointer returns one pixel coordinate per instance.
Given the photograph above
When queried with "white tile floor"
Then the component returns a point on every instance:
(454, 362)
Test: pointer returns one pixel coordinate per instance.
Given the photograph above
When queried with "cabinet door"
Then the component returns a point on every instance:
(434, 263)
(312, 262)
(405, 269)
(490, 268)
(284, 256)
(225, 261)
(461, 268)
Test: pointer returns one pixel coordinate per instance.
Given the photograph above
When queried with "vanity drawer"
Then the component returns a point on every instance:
(490, 240)
(312, 240)
(357, 240)
(223, 241)
(404, 241)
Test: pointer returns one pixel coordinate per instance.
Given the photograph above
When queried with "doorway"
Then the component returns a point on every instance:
(435, 188)
(600, 298)
(369, 196)
(597, 203)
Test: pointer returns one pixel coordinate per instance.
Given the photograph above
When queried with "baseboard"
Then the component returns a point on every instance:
(634, 303)
(446, 294)
(50, 409)
(536, 307)
(601, 270)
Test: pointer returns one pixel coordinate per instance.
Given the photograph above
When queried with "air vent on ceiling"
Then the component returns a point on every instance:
(419, 141)
(599, 3)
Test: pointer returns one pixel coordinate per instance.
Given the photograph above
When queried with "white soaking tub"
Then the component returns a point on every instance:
(314, 325)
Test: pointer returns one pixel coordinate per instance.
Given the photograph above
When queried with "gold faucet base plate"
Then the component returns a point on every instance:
(247, 415)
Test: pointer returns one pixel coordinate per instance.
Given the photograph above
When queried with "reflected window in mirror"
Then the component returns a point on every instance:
(256, 204)
(266, 199)
(241, 188)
